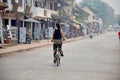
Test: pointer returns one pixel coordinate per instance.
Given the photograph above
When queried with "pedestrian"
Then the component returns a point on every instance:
(28, 38)
(119, 35)
(91, 33)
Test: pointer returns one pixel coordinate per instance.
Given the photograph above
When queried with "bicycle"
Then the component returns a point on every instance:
(57, 56)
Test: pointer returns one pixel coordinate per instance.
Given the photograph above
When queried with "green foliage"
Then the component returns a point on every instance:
(103, 10)
(81, 16)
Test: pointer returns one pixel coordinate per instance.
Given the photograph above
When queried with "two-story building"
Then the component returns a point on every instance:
(92, 19)
(2, 9)
(82, 16)
(42, 11)
(35, 16)
(10, 18)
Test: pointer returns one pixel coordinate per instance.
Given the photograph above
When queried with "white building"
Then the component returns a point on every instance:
(36, 9)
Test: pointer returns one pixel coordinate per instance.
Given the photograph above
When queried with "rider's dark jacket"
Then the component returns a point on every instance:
(57, 34)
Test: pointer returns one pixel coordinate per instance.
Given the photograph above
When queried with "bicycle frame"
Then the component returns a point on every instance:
(57, 57)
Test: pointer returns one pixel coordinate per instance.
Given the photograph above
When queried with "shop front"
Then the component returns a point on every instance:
(11, 22)
(32, 28)
(2, 10)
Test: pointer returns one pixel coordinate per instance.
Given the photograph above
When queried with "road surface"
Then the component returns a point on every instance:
(86, 59)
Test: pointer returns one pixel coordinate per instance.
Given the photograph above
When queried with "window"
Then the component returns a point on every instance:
(28, 2)
(55, 6)
(42, 4)
(45, 3)
(20, 2)
(12, 1)
(13, 22)
(5, 1)
(51, 6)
(37, 3)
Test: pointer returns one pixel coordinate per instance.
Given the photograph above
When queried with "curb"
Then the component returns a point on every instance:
(47, 44)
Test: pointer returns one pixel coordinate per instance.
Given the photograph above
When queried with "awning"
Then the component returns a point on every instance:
(63, 23)
(31, 20)
(77, 22)
(84, 26)
(3, 5)
(55, 16)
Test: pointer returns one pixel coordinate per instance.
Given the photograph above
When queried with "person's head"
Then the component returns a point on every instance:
(58, 25)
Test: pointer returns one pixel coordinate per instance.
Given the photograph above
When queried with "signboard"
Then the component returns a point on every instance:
(36, 33)
(50, 29)
(0, 27)
(22, 34)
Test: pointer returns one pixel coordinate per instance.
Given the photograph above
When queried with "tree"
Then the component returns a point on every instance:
(102, 9)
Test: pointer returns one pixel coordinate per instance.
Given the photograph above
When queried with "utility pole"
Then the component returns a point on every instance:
(72, 7)
(1, 31)
(18, 27)
(2, 8)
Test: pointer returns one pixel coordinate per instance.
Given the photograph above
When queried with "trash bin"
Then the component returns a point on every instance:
(28, 39)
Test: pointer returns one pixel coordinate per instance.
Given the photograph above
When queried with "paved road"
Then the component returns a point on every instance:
(87, 59)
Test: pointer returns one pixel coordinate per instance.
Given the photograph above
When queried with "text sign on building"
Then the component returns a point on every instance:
(22, 34)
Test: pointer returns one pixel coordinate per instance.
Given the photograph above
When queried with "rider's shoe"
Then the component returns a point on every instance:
(61, 53)
(54, 61)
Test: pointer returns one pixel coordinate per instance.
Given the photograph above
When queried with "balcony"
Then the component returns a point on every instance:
(42, 13)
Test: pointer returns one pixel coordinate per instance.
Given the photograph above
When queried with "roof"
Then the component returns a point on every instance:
(63, 2)
(3, 5)
(82, 10)
(77, 22)
(89, 8)
(31, 20)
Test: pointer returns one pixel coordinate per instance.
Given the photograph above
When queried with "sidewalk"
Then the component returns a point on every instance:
(34, 44)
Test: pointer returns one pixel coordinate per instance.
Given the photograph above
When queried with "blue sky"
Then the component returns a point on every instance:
(113, 3)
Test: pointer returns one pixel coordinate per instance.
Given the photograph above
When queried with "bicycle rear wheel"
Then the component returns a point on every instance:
(58, 61)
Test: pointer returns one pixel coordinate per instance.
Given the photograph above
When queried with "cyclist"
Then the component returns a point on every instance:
(57, 39)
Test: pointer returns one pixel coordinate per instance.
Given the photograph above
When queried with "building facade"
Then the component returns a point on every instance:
(94, 22)
(18, 11)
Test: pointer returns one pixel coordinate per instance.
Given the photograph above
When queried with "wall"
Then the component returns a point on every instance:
(90, 18)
